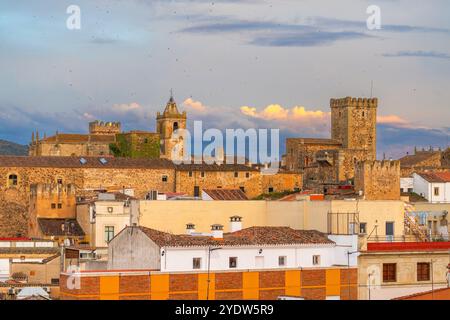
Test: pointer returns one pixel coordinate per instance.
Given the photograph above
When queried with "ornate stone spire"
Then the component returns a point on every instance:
(171, 107)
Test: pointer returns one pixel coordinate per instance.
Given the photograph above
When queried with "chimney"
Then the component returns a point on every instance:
(235, 223)
(217, 231)
(190, 228)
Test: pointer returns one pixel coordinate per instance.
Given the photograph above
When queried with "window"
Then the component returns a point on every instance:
(59, 181)
(436, 191)
(410, 190)
(145, 140)
(202, 174)
(282, 261)
(389, 228)
(196, 191)
(270, 189)
(242, 189)
(164, 178)
(59, 205)
(236, 174)
(53, 205)
(196, 263)
(175, 126)
(110, 209)
(316, 260)
(55, 281)
(363, 228)
(190, 174)
(12, 180)
(423, 271)
(247, 174)
(389, 272)
(109, 233)
(233, 262)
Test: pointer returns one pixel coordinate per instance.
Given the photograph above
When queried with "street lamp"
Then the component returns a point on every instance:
(209, 268)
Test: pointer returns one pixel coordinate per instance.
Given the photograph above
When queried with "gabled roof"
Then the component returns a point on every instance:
(436, 177)
(248, 236)
(226, 194)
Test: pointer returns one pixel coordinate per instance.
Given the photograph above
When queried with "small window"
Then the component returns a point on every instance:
(110, 209)
(236, 174)
(164, 178)
(242, 189)
(202, 174)
(363, 113)
(109, 233)
(363, 228)
(316, 260)
(389, 272)
(270, 189)
(233, 262)
(54, 281)
(282, 261)
(190, 174)
(423, 271)
(12, 180)
(247, 174)
(410, 190)
(53, 205)
(436, 191)
(59, 181)
(196, 263)
(145, 140)
(59, 205)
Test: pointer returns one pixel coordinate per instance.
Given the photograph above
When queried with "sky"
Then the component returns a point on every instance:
(231, 63)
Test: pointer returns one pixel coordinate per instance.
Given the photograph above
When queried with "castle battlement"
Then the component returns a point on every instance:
(49, 190)
(379, 165)
(354, 102)
(101, 127)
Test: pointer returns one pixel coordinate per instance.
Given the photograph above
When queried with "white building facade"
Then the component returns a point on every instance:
(435, 187)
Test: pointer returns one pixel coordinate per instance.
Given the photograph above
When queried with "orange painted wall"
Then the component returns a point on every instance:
(263, 285)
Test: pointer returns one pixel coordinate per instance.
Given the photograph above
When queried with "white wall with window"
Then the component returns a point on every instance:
(110, 218)
(434, 192)
(258, 257)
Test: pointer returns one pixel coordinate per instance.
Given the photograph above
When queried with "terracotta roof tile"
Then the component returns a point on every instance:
(436, 177)
(226, 194)
(75, 162)
(248, 236)
(53, 227)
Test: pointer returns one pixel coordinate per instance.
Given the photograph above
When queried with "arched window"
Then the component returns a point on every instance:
(175, 126)
(12, 180)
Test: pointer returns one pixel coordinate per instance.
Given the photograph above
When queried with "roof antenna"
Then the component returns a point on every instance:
(171, 94)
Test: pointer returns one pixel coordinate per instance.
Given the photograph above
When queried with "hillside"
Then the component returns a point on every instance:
(11, 148)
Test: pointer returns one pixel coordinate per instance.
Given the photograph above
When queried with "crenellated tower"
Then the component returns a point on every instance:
(353, 123)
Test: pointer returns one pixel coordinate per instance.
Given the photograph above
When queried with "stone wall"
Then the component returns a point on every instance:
(378, 180)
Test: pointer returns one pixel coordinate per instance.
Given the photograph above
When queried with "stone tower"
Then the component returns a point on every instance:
(166, 123)
(353, 123)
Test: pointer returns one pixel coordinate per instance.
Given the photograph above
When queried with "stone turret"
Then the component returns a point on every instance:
(104, 128)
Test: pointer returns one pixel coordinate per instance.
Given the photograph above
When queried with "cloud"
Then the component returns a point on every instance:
(420, 54)
(189, 103)
(392, 120)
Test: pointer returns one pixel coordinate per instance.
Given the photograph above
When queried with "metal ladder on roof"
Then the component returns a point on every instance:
(411, 225)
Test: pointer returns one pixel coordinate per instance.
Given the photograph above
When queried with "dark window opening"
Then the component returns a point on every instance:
(423, 271)
(12, 180)
(389, 272)
(233, 262)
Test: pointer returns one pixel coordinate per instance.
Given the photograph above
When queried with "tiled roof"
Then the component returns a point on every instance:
(415, 159)
(441, 294)
(316, 141)
(76, 162)
(79, 138)
(29, 250)
(214, 167)
(248, 236)
(53, 227)
(439, 177)
(226, 194)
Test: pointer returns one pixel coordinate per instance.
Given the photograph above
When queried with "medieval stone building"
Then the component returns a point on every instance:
(89, 175)
(106, 139)
(424, 161)
(353, 139)
(166, 123)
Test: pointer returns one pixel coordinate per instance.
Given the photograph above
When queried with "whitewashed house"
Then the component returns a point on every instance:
(434, 186)
(252, 248)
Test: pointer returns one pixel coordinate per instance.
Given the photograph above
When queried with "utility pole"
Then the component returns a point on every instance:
(209, 269)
